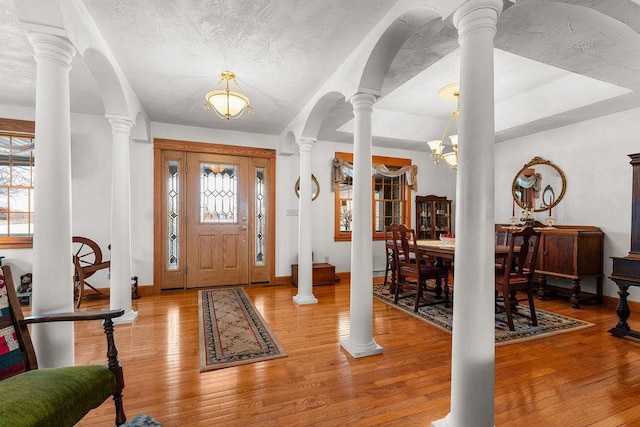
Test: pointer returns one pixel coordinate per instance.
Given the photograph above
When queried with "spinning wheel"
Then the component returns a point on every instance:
(87, 259)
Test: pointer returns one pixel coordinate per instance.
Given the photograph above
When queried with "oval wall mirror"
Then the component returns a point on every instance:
(538, 185)
(315, 188)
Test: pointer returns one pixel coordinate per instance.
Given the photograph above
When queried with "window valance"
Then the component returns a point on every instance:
(342, 169)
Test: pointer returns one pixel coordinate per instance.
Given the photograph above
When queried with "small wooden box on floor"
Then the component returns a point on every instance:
(323, 274)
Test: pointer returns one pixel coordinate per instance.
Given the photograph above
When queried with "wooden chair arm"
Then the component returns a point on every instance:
(74, 316)
(112, 351)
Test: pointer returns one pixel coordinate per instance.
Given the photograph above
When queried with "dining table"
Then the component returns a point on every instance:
(444, 252)
(447, 251)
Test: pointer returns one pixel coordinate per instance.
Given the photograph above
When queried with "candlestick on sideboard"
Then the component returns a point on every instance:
(626, 270)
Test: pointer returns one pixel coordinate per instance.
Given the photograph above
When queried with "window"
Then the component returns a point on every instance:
(16, 183)
(390, 198)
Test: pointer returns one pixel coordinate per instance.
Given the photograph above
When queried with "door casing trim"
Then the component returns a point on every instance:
(160, 144)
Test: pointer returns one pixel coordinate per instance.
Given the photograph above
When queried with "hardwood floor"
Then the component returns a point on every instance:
(581, 378)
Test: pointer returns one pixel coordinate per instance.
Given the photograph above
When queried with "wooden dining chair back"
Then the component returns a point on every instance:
(516, 273)
(502, 235)
(413, 270)
(390, 268)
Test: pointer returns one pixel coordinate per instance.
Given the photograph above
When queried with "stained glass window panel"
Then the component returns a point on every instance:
(260, 216)
(218, 193)
(173, 215)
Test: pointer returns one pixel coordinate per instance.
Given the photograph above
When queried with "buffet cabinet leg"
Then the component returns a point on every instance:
(542, 283)
(575, 293)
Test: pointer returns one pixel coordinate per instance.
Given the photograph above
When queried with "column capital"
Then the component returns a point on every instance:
(363, 100)
(119, 124)
(306, 144)
(54, 48)
(475, 15)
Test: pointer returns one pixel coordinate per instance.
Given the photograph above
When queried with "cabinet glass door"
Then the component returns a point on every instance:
(442, 216)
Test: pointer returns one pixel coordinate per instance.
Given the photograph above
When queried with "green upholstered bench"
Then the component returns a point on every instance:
(51, 396)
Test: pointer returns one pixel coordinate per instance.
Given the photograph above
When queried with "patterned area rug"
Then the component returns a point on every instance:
(142, 420)
(437, 314)
(232, 331)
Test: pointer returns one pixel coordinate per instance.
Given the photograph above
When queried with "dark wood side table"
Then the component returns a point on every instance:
(323, 274)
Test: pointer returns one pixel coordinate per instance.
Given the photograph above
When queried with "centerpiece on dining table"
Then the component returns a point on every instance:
(448, 239)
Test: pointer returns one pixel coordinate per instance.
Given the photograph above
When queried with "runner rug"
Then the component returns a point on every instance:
(437, 314)
(232, 331)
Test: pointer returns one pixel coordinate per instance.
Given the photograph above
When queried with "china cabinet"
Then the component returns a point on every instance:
(433, 217)
(626, 270)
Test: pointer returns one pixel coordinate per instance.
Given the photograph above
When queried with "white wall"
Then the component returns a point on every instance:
(594, 158)
(91, 141)
(91, 187)
(592, 154)
(432, 179)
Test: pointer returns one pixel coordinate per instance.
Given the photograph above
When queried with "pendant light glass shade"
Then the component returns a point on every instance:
(226, 103)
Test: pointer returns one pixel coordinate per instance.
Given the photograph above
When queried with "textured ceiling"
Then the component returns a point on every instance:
(281, 50)
(558, 62)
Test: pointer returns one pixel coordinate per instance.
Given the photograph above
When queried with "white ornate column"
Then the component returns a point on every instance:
(360, 342)
(473, 352)
(52, 247)
(120, 290)
(305, 262)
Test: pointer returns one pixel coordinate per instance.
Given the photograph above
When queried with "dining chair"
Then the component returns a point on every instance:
(503, 234)
(515, 274)
(391, 258)
(413, 270)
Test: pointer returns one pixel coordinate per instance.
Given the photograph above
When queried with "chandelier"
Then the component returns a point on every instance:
(226, 103)
(437, 146)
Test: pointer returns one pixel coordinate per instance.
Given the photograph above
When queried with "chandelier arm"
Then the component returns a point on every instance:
(437, 151)
(446, 129)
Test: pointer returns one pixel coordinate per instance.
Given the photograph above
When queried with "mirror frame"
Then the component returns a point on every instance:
(533, 162)
(314, 186)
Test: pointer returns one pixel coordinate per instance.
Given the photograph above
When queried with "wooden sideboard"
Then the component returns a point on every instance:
(569, 252)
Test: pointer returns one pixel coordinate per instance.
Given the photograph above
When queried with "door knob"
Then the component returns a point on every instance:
(242, 227)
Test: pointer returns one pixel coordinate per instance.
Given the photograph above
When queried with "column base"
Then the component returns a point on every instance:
(305, 299)
(444, 422)
(359, 350)
(440, 423)
(129, 317)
